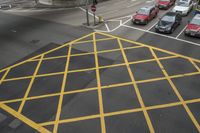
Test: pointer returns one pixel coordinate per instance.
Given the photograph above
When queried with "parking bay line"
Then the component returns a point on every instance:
(182, 40)
(181, 31)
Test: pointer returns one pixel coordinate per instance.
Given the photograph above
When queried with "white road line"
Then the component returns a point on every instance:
(181, 31)
(197, 44)
(123, 17)
(120, 22)
(108, 29)
(88, 12)
(113, 20)
(152, 26)
(127, 21)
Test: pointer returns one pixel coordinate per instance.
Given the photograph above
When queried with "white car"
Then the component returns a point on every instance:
(183, 7)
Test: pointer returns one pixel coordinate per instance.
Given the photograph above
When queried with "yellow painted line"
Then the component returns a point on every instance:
(24, 119)
(195, 65)
(150, 80)
(184, 75)
(71, 120)
(154, 107)
(18, 78)
(145, 45)
(193, 101)
(98, 40)
(104, 87)
(81, 70)
(59, 109)
(123, 112)
(151, 129)
(30, 85)
(4, 76)
(103, 125)
(88, 69)
(164, 106)
(64, 45)
(48, 95)
(176, 91)
(88, 53)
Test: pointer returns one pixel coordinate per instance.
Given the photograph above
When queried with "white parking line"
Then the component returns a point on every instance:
(181, 32)
(197, 44)
(152, 26)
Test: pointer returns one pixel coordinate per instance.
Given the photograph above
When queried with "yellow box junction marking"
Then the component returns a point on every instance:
(81, 41)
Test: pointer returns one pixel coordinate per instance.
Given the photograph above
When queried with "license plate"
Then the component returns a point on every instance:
(161, 30)
(137, 22)
(192, 34)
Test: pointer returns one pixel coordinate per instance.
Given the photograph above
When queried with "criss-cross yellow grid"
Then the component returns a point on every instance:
(99, 87)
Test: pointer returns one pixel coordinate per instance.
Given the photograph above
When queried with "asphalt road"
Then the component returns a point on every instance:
(166, 90)
(21, 36)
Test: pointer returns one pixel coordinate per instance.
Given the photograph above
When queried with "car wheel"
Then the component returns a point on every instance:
(172, 30)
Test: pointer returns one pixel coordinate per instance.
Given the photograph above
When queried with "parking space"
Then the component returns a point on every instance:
(126, 23)
(180, 28)
(102, 83)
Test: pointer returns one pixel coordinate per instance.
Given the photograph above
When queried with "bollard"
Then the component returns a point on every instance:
(100, 19)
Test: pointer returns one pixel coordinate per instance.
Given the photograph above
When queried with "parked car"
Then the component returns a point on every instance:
(145, 14)
(193, 27)
(169, 22)
(165, 4)
(183, 7)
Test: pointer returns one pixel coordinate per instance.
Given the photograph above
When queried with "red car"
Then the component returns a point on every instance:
(145, 14)
(193, 27)
(165, 4)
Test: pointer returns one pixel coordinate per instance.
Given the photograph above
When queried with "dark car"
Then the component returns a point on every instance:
(169, 22)
(5, 6)
(145, 14)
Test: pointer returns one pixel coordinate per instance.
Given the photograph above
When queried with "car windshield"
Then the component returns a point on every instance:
(185, 4)
(195, 21)
(168, 19)
(143, 12)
